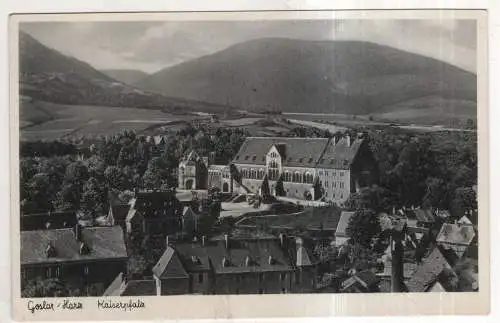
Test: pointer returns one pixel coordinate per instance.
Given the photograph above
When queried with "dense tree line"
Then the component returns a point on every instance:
(416, 168)
(435, 169)
(55, 177)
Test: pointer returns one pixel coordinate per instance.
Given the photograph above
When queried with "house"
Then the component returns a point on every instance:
(341, 236)
(339, 166)
(428, 272)
(237, 264)
(362, 282)
(154, 213)
(421, 217)
(456, 238)
(49, 220)
(121, 287)
(88, 257)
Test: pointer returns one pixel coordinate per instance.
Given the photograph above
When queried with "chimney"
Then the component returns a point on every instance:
(77, 230)
(247, 261)
(226, 240)
(348, 140)
(203, 240)
(282, 240)
(270, 260)
(397, 275)
(298, 241)
(166, 242)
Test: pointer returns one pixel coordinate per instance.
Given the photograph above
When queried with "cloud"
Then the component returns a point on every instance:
(150, 46)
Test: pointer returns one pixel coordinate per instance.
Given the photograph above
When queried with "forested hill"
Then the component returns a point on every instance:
(293, 75)
(48, 75)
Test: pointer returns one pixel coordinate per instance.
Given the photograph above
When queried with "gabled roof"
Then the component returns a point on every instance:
(104, 243)
(423, 215)
(365, 279)
(245, 254)
(437, 288)
(456, 234)
(464, 220)
(298, 151)
(339, 154)
(456, 237)
(317, 218)
(115, 288)
(345, 217)
(169, 266)
(303, 259)
(428, 272)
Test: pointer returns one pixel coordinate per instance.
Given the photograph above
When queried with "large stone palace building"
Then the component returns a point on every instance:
(339, 166)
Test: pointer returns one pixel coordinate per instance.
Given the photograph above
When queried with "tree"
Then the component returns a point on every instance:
(40, 194)
(93, 200)
(363, 226)
(464, 198)
(115, 178)
(318, 189)
(51, 287)
(375, 198)
(68, 198)
(265, 191)
(280, 189)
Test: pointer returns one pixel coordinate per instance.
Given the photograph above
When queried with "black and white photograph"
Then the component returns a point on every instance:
(246, 157)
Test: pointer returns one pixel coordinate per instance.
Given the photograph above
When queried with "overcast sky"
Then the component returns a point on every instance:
(151, 46)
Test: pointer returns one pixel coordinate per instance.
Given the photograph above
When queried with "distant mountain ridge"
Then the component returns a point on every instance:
(48, 75)
(126, 76)
(290, 75)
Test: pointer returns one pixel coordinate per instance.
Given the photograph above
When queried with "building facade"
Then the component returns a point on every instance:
(193, 171)
(235, 265)
(157, 213)
(309, 168)
(88, 258)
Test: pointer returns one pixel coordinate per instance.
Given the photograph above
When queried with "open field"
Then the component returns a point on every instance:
(65, 120)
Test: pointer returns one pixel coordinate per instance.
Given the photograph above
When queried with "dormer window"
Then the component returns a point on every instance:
(84, 249)
(310, 160)
(248, 261)
(246, 157)
(50, 251)
(254, 158)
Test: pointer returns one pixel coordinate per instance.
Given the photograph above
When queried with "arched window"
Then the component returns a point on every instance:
(296, 177)
(308, 178)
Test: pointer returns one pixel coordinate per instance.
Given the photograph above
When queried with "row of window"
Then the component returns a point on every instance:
(334, 173)
(333, 184)
(53, 272)
(253, 173)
